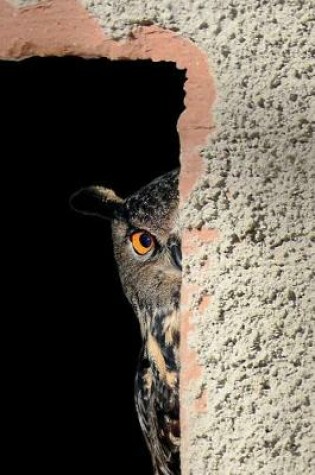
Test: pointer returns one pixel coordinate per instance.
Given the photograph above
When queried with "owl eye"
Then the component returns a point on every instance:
(142, 242)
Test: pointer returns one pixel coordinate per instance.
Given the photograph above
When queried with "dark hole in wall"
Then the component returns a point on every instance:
(74, 340)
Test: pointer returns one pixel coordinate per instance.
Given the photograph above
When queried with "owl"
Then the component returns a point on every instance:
(147, 249)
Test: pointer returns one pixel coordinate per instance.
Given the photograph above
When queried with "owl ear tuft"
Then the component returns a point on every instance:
(98, 201)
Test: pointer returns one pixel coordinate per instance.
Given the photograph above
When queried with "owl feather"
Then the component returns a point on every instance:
(147, 248)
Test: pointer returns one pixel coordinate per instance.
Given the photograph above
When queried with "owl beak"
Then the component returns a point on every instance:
(176, 254)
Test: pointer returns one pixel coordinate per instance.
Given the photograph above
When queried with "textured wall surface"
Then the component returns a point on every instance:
(254, 301)
(252, 278)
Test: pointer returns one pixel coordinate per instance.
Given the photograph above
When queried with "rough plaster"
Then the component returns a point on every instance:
(250, 405)
(253, 303)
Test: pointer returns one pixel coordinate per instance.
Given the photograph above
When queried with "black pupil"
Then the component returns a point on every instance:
(145, 240)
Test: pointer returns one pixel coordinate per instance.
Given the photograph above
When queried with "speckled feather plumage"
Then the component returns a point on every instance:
(152, 285)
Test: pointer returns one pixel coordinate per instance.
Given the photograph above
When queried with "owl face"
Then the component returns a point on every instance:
(147, 247)
(146, 241)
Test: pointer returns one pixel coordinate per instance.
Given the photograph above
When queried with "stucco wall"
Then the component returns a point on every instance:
(253, 333)
(248, 409)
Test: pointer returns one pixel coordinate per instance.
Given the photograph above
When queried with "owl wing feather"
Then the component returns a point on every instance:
(157, 406)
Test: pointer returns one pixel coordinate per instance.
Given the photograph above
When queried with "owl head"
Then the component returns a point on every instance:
(146, 239)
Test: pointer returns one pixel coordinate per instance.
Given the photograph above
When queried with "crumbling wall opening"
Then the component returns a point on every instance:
(74, 122)
(62, 28)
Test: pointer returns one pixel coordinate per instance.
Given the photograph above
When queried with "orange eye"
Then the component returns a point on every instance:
(142, 242)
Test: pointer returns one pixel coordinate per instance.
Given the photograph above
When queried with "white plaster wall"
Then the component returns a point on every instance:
(255, 339)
